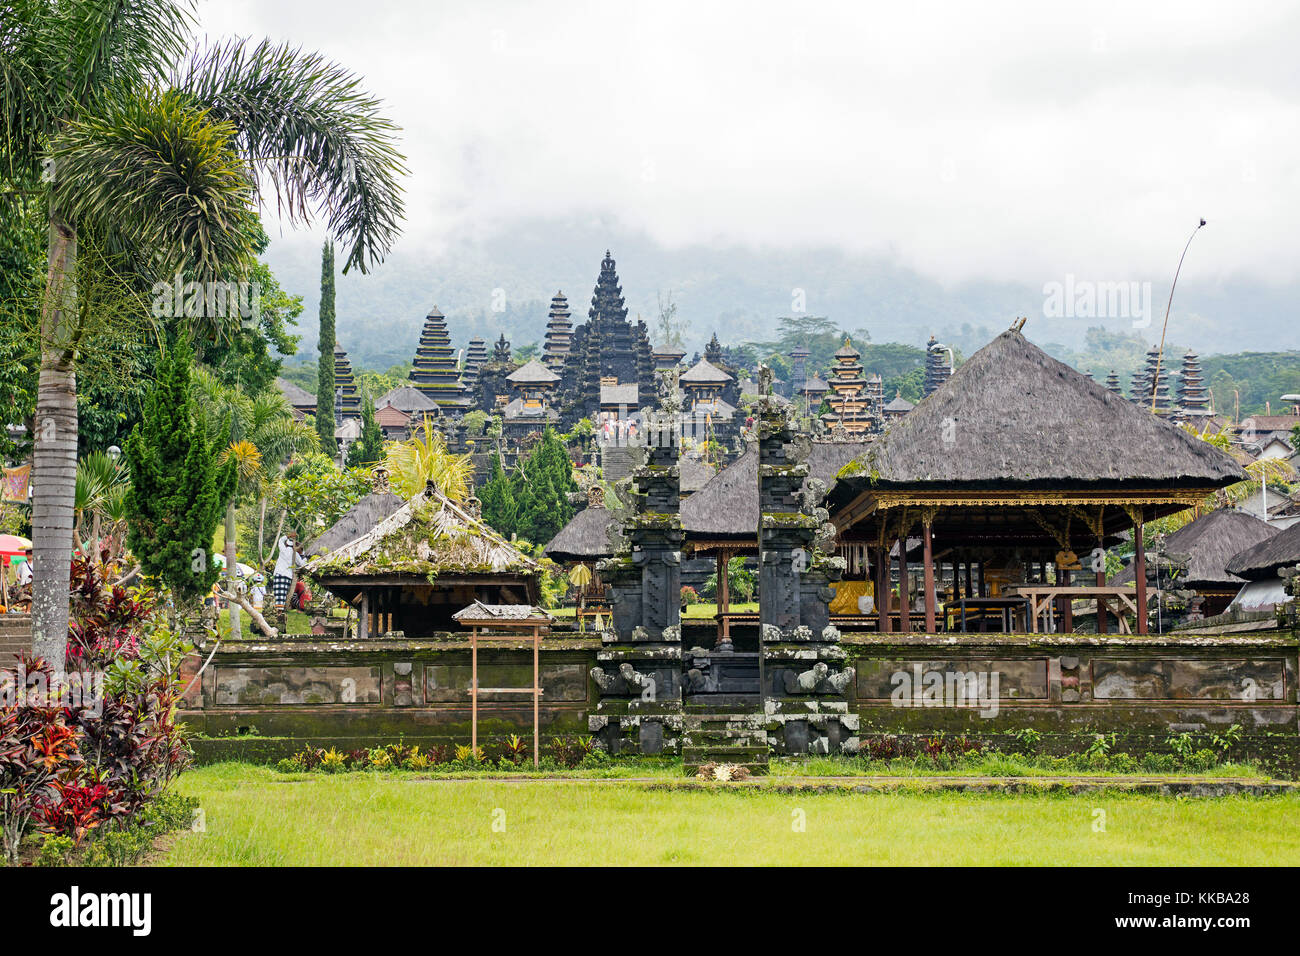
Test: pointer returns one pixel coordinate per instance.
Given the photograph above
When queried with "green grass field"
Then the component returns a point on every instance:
(255, 816)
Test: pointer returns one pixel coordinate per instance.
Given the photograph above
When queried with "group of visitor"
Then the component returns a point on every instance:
(620, 430)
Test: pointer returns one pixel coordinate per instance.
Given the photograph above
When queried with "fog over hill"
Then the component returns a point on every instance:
(503, 284)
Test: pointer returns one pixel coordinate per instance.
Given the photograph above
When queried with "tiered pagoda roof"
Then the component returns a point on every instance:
(1193, 397)
(848, 399)
(347, 397)
(436, 372)
(475, 356)
(936, 369)
(606, 347)
(559, 333)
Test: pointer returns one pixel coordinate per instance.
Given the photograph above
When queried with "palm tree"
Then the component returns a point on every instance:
(263, 435)
(163, 165)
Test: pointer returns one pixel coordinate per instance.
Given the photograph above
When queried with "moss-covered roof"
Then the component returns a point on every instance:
(430, 535)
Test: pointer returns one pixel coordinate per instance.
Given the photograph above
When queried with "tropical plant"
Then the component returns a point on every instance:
(164, 164)
(424, 457)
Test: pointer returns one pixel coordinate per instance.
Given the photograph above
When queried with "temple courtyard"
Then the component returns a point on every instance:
(255, 816)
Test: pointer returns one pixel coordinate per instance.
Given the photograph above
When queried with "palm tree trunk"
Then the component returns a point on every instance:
(54, 471)
(261, 530)
(232, 572)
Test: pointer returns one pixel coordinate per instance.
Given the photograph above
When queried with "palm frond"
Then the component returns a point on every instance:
(164, 176)
(305, 124)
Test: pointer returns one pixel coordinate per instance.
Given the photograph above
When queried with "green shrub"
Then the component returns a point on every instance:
(54, 850)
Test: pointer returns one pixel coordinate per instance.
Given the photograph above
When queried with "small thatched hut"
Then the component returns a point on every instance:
(1260, 565)
(360, 518)
(425, 561)
(1210, 543)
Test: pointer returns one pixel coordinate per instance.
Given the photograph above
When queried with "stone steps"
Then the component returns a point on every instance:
(15, 638)
(718, 736)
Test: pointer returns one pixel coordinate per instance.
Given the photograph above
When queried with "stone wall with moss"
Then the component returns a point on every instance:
(263, 700)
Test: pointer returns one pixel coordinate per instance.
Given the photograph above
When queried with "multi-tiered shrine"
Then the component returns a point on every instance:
(607, 351)
(347, 398)
(852, 407)
(436, 371)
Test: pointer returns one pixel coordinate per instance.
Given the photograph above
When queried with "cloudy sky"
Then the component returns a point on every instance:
(1009, 141)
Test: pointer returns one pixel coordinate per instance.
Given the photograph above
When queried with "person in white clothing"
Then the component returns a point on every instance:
(286, 560)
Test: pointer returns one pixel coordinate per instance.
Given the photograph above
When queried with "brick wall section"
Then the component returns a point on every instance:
(15, 637)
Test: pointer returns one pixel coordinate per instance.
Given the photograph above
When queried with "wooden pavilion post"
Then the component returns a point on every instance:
(1140, 573)
(969, 591)
(882, 588)
(724, 595)
(537, 690)
(473, 689)
(1067, 609)
(363, 617)
(928, 561)
(904, 618)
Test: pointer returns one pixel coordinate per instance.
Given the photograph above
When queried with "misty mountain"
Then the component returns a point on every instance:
(504, 283)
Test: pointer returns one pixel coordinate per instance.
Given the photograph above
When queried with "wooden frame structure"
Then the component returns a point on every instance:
(497, 617)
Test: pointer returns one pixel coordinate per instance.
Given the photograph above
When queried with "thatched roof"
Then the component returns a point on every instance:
(585, 538)
(694, 474)
(534, 372)
(704, 373)
(296, 396)
(1263, 560)
(428, 536)
(1013, 415)
(409, 399)
(356, 521)
(728, 505)
(1211, 542)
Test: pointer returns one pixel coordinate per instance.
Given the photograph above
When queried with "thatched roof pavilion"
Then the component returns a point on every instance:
(1019, 458)
(421, 564)
(1210, 543)
(586, 538)
(1263, 561)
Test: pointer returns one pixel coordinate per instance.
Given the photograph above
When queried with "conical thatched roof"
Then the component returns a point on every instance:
(356, 521)
(428, 536)
(1263, 560)
(585, 538)
(1211, 542)
(1013, 415)
(728, 505)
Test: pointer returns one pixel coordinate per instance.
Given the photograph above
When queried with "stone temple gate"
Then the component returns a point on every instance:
(742, 698)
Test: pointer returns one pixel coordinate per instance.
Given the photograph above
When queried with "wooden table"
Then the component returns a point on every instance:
(1042, 602)
(1006, 606)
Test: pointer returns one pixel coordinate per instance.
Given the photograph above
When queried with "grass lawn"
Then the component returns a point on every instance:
(296, 622)
(255, 816)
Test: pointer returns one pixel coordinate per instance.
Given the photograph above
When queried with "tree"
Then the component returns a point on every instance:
(325, 364)
(165, 163)
(262, 433)
(498, 499)
(670, 330)
(178, 486)
(370, 449)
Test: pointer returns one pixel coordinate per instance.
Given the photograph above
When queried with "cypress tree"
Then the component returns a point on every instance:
(178, 489)
(325, 345)
(498, 500)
